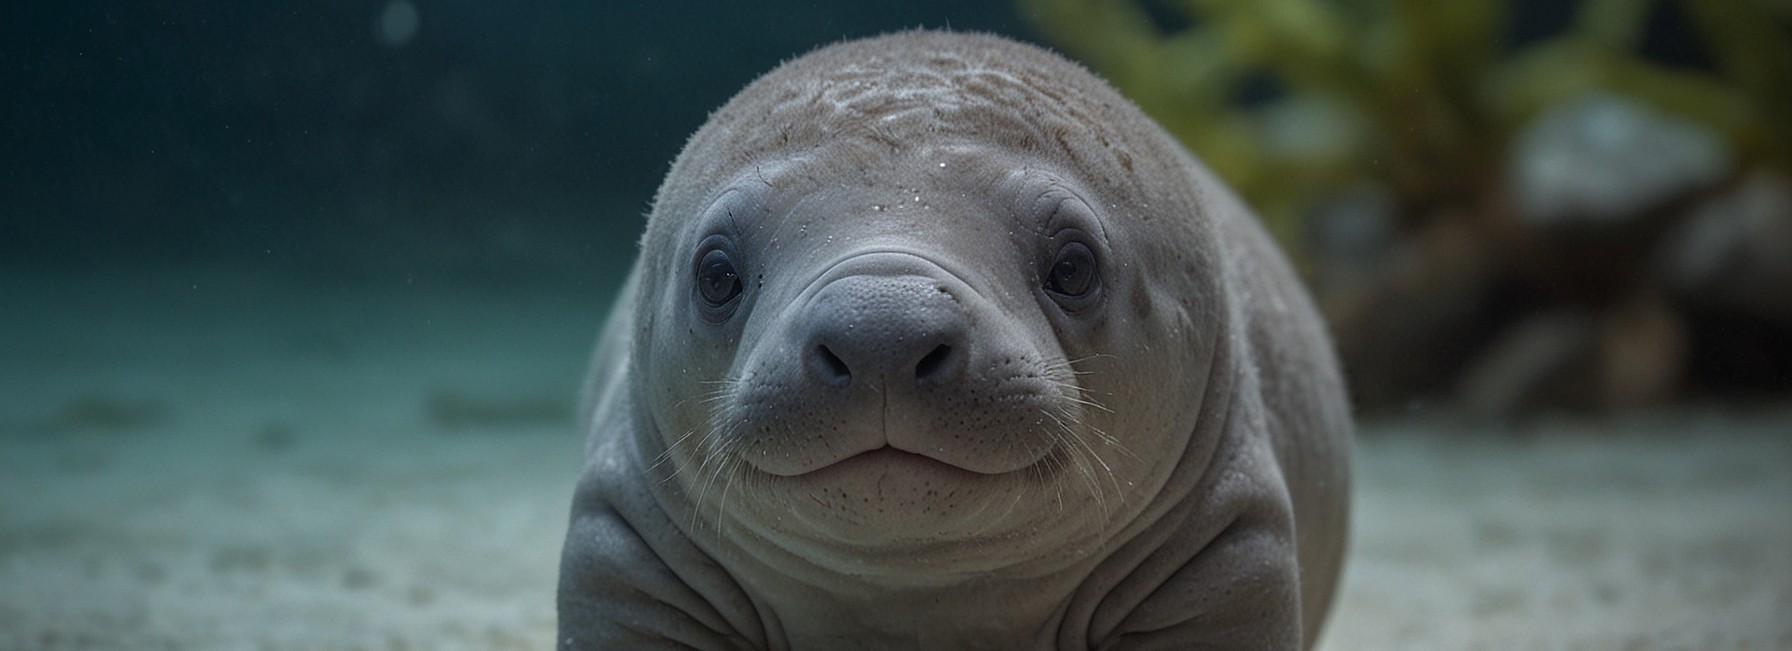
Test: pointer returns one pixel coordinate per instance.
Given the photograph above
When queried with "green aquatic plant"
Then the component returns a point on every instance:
(1419, 97)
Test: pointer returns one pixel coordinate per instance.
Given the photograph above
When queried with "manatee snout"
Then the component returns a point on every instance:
(878, 332)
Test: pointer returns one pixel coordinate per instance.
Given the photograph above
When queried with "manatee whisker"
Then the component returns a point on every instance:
(1037, 474)
(1112, 442)
(1086, 458)
(733, 470)
(1082, 396)
(1069, 365)
(665, 456)
(1086, 402)
(725, 389)
(716, 455)
(1074, 388)
(1057, 463)
(1071, 391)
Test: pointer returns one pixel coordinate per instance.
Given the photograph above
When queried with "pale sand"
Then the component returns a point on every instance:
(255, 463)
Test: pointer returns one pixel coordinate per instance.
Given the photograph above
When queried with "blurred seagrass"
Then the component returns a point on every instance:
(1418, 96)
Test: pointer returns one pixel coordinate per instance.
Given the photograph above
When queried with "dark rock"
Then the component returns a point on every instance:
(1514, 371)
(1642, 354)
(1735, 250)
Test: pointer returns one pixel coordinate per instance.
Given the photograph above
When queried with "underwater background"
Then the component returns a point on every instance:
(295, 298)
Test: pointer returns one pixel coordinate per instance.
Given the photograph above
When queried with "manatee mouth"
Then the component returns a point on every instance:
(893, 460)
(892, 457)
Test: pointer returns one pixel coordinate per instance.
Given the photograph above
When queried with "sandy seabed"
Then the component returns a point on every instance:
(207, 460)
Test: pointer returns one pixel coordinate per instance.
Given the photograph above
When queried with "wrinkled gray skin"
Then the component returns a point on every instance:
(909, 430)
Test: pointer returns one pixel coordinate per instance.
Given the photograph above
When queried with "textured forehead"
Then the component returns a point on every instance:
(861, 103)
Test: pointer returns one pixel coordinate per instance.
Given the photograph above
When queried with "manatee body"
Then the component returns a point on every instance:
(936, 342)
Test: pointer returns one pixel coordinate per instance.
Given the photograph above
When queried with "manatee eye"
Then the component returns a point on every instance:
(717, 281)
(1073, 274)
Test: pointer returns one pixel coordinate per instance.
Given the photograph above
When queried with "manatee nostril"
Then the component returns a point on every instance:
(933, 363)
(832, 369)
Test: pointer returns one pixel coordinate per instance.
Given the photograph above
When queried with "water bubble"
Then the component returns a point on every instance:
(397, 24)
